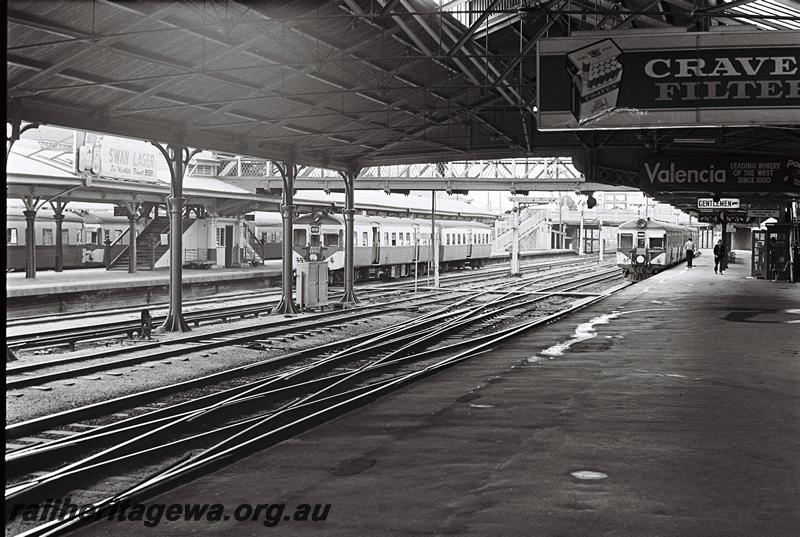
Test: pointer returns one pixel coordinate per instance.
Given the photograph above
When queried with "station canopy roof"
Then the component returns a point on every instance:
(346, 84)
(39, 169)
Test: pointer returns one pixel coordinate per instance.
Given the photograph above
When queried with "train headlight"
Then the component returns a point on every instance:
(640, 259)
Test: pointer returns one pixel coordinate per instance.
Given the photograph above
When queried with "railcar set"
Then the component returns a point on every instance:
(646, 247)
(384, 247)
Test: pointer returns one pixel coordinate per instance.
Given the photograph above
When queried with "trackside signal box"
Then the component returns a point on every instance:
(312, 284)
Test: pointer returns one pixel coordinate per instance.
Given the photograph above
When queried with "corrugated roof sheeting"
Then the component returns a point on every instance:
(318, 81)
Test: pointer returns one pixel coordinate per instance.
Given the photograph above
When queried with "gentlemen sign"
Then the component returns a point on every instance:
(724, 203)
(721, 173)
(674, 80)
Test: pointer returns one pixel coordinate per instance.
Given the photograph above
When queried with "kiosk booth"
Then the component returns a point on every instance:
(771, 253)
(312, 273)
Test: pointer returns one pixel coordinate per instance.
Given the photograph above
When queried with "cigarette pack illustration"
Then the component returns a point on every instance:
(596, 74)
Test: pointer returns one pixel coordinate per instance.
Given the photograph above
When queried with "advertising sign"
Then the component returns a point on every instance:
(723, 203)
(121, 158)
(763, 213)
(727, 216)
(721, 173)
(636, 80)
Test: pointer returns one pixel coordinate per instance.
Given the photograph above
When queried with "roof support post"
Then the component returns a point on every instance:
(288, 171)
(174, 156)
(58, 216)
(349, 233)
(16, 132)
(30, 239)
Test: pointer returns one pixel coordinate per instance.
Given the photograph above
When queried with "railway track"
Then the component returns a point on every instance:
(21, 375)
(196, 434)
(40, 337)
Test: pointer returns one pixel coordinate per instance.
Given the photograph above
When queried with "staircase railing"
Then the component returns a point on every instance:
(128, 249)
(122, 251)
(534, 218)
(257, 258)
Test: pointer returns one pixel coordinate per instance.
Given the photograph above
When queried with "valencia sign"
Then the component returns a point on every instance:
(721, 173)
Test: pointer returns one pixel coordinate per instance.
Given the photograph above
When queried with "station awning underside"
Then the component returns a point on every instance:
(346, 84)
(118, 191)
(33, 172)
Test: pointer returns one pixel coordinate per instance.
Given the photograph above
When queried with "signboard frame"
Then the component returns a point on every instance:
(634, 80)
(724, 204)
(721, 173)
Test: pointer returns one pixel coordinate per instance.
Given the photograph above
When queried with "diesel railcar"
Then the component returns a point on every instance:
(646, 247)
(383, 247)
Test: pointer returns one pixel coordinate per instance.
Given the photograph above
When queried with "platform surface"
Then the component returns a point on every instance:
(687, 397)
(80, 280)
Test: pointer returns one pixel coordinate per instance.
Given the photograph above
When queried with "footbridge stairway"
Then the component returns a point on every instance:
(530, 219)
(150, 235)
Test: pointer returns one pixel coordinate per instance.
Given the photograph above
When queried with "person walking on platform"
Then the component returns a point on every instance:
(719, 256)
(689, 247)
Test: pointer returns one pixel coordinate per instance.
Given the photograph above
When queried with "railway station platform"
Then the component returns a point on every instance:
(87, 289)
(668, 409)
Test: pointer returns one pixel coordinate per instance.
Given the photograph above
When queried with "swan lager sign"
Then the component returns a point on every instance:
(121, 158)
(644, 80)
(721, 173)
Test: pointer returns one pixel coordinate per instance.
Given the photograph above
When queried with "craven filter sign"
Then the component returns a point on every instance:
(721, 173)
(669, 80)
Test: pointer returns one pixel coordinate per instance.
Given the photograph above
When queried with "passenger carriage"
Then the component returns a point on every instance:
(83, 236)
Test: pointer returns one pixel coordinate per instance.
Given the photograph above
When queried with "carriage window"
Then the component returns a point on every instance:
(117, 233)
(626, 240)
(331, 239)
(458, 238)
(386, 239)
(400, 240)
(656, 242)
(78, 238)
(463, 238)
(299, 237)
(394, 239)
(447, 238)
(107, 235)
(91, 237)
(408, 239)
(264, 236)
(47, 236)
(11, 235)
(640, 242)
(365, 239)
(65, 237)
